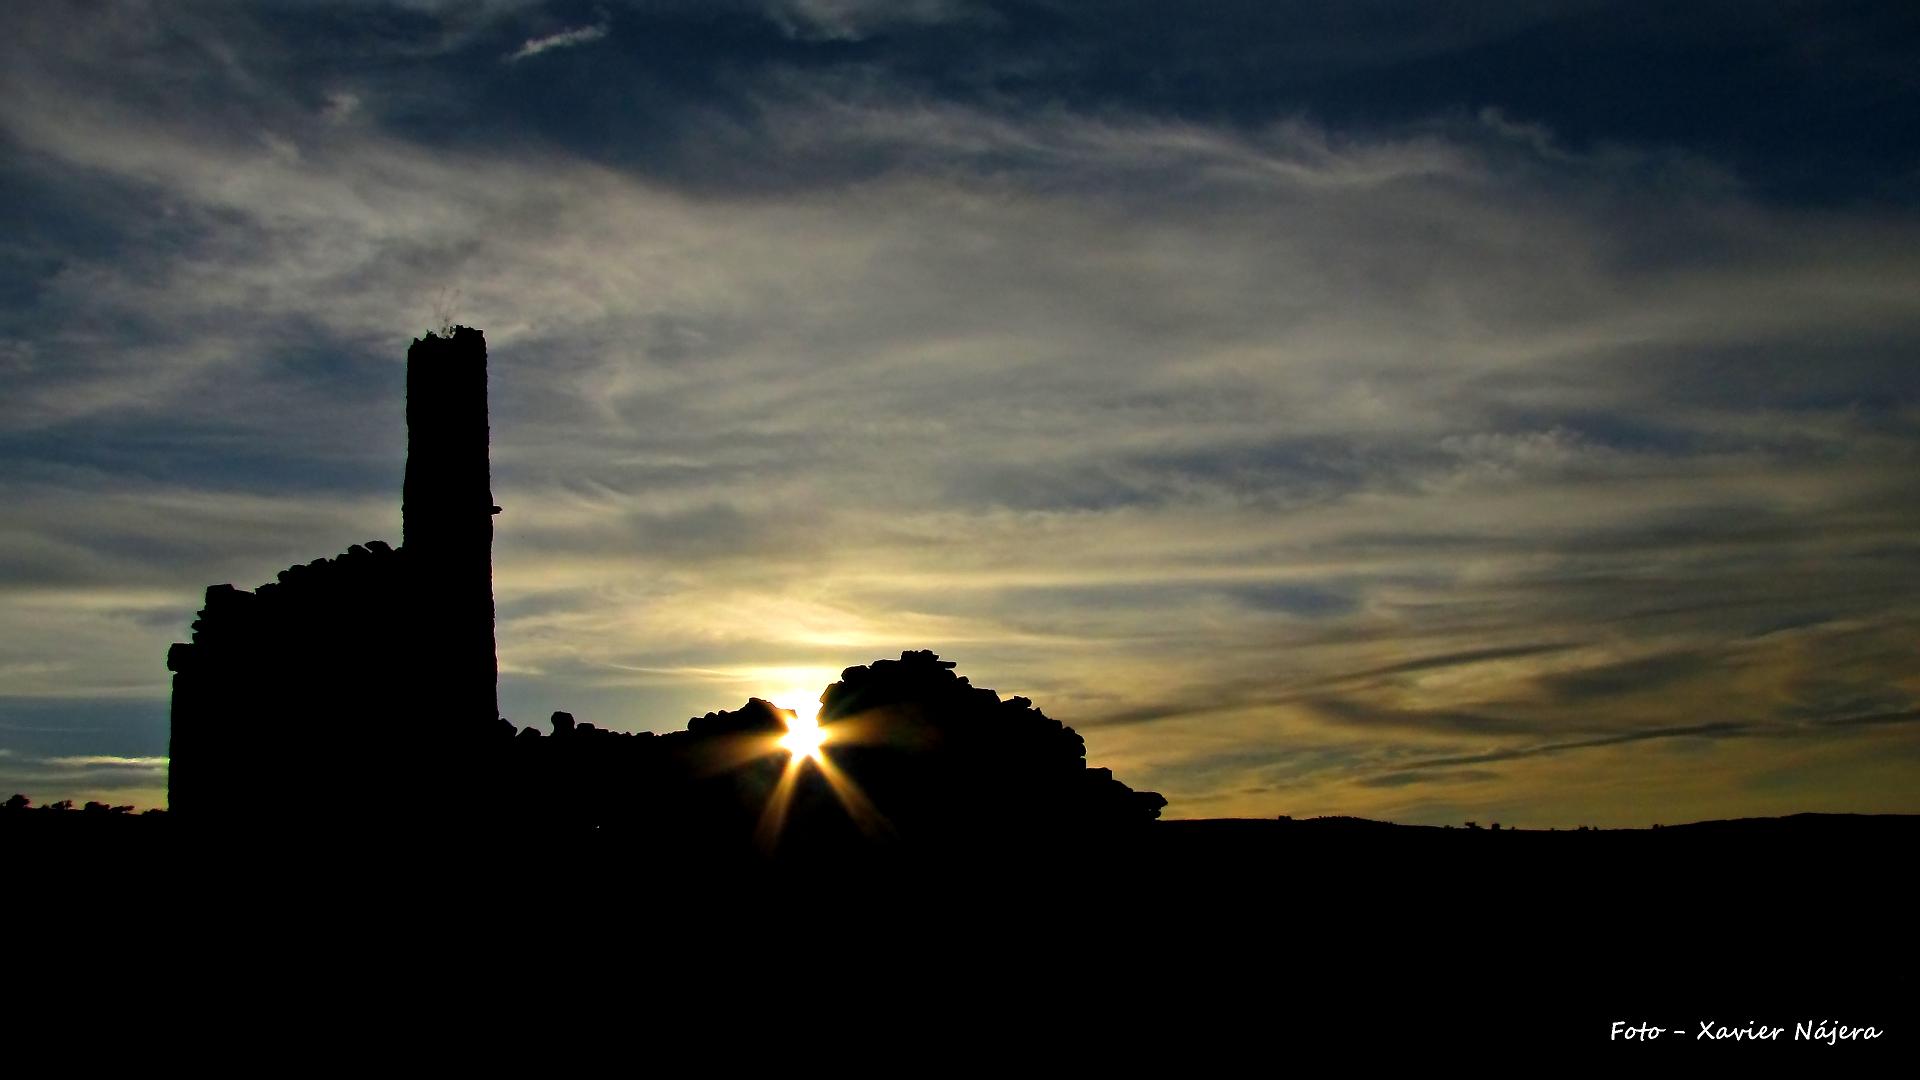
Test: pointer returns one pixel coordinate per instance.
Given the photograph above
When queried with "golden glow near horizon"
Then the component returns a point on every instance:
(804, 737)
(804, 734)
(803, 702)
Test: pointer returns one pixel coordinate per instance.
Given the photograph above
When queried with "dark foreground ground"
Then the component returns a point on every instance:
(1200, 947)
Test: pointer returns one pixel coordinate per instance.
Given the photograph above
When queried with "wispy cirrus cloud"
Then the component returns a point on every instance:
(111, 761)
(1278, 455)
(856, 20)
(564, 39)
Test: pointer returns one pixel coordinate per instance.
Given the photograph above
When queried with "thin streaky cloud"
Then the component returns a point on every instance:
(1273, 433)
(563, 40)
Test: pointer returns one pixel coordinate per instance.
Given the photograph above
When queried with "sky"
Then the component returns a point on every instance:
(1503, 411)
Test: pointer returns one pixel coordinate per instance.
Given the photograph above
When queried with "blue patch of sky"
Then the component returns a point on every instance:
(1304, 601)
(48, 727)
(162, 451)
(1808, 102)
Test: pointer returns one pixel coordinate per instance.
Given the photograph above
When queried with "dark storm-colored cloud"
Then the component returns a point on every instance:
(1628, 676)
(1775, 91)
(1455, 659)
(1906, 716)
(1438, 721)
(1307, 601)
(1405, 779)
(1805, 100)
(1418, 772)
(1265, 692)
(1725, 729)
(1809, 100)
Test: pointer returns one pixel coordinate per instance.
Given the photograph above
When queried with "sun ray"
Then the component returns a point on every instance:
(774, 817)
(726, 753)
(805, 744)
(865, 815)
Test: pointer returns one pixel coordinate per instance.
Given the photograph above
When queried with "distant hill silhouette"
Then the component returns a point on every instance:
(1171, 945)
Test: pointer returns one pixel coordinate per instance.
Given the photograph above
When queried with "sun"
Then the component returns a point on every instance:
(804, 741)
(804, 734)
(804, 738)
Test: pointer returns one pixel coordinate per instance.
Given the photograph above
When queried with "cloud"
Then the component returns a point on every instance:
(1276, 452)
(341, 107)
(93, 761)
(563, 39)
(1906, 716)
(1639, 675)
(856, 20)
(110, 778)
(1455, 659)
(1714, 730)
(1403, 779)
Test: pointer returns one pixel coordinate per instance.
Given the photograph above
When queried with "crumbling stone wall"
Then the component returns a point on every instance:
(363, 689)
(358, 678)
(282, 685)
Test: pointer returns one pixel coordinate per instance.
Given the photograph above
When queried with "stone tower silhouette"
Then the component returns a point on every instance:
(447, 510)
(370, 672)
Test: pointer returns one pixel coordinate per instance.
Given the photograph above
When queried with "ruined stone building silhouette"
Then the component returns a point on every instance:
(334, 682)
(363, 689)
